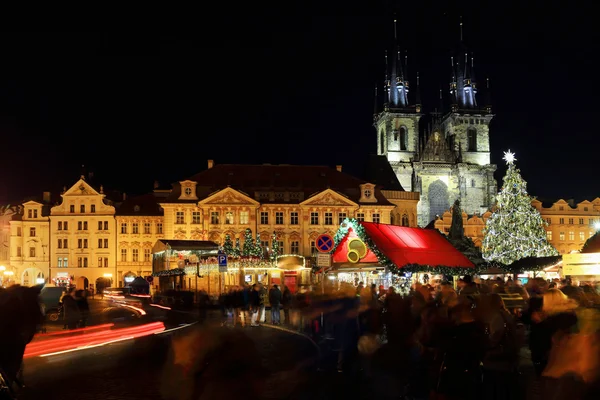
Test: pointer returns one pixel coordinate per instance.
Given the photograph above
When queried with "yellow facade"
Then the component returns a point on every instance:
(82, 244)
(29, 241)
(569, 225)
(135, 237)
(297, 225)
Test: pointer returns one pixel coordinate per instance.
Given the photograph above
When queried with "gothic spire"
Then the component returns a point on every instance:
(396, 79)
(463, 87)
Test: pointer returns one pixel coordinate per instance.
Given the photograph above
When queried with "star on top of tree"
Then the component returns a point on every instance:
(509, 157)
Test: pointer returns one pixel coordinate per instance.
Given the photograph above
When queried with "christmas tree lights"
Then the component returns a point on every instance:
(515, 230)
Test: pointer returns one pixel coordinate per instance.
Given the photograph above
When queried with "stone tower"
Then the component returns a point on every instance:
(398, 124)
(450, 159)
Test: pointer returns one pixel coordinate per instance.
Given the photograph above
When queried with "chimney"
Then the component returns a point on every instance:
(124, 196)
(211, 163)
(47, 197)
(156, 185)
(339, 168)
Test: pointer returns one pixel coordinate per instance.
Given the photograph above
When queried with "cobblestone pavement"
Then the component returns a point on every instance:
(132, 369)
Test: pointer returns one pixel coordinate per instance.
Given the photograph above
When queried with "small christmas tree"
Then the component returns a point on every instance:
(258, 251)
(228, 246)
(515, 230)
(274, 247)
(248, 249)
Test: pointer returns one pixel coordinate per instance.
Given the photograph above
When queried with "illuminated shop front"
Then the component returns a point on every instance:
(381, 254)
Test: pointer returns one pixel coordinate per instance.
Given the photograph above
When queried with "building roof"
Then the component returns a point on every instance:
(380, 172)
(409, 246)
(144, 205)
(253, 179)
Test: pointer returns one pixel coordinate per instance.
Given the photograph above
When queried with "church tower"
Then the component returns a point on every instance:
(398, 124)
(450, 159)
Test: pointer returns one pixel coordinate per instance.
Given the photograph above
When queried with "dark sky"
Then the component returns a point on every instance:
(136, 107)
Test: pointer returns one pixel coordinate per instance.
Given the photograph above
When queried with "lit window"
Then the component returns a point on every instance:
(195, 217)
(244, 217)
(279, 218)
(264, 217)
(229, 218)
(314, 218)
(561, 236)
(549, 235)
(571, 236)
(295, 247)
(294, 218)
(581, 236)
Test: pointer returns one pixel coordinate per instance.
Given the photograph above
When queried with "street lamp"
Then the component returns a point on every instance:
(597, 226)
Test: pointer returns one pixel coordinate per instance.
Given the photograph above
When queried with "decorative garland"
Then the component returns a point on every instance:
(170, 272)
(384, 261)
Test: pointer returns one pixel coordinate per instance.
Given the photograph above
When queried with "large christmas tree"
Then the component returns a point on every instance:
(248, 247)
(515, 230)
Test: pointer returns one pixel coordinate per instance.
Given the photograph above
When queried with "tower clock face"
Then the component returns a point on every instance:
(188, 191)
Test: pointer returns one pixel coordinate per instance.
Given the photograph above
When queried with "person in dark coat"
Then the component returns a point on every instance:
(84, 307)
(254, 303)
(71, 310)
(286, 303)
(275, 301)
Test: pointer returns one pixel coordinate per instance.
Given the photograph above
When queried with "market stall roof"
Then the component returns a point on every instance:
(535, 263)
(402, 246)
(181, 245)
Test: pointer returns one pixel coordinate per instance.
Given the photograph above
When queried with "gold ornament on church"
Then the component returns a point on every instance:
(356, 250)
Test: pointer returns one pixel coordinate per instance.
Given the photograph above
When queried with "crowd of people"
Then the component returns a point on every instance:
(442, 342)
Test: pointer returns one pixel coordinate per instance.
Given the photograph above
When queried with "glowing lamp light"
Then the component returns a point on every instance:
(108, 275)
(129, 279)
(2, 268)
(8, 273)
(597, 225)
(40, 281)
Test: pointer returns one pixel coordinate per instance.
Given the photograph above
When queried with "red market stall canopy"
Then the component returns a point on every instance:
(400, 249)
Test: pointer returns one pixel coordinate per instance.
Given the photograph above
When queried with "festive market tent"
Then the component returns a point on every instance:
(396, 249)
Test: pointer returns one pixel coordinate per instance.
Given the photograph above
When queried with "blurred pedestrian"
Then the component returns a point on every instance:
(275, 301)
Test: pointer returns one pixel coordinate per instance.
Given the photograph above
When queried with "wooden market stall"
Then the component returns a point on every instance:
(374, 253)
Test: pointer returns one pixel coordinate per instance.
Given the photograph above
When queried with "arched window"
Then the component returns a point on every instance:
(438, 199)
(405, 220)
(472, 139)
(381, 142)
(403, 138)
(391, 218)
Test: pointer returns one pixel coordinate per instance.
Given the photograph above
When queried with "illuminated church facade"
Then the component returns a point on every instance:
(448, 160)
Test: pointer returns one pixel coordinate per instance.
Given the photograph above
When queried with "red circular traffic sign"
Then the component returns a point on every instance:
(324, 243)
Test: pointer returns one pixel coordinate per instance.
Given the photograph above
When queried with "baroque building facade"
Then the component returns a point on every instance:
(451, 158)
(82, 239)
(568, 224)
(86, 238)
(298, 203)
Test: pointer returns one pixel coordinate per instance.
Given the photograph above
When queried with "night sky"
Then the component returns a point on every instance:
(145, 106)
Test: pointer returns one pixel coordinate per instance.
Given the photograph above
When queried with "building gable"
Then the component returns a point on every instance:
(81, 188)
(229, 196)
(328, 197)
